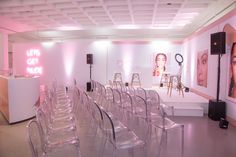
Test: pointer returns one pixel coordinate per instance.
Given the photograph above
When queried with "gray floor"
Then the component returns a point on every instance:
(203, 138)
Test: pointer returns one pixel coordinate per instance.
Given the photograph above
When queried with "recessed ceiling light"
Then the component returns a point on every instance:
(128, 27)
(69, 28)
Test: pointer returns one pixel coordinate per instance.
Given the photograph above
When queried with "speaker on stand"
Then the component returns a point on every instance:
(89, 60)
(217, 108)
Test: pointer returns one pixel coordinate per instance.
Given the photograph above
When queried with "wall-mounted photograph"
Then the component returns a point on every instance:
(231, 50)
(202, 68)
(232, 73)
(160, 62)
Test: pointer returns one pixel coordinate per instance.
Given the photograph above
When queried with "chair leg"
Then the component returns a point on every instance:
(114, 153)
(166, 136)
(101, 153)
(182, 142)
(161, 142)
(77, 151)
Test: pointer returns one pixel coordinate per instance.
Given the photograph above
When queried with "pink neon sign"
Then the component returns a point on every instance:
(33, 62)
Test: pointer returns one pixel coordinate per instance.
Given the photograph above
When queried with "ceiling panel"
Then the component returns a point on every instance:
(111, 13)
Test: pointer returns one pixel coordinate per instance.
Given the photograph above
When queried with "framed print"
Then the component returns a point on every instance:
(231, 77)
(202, 68)
(160, 63)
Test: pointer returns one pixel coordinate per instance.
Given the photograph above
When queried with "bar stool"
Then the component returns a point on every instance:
(117, 80)
(117, 77)
(175, 81)
(164, 79)
(135, 81)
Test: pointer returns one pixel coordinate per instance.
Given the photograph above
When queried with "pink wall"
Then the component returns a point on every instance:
(3, 50)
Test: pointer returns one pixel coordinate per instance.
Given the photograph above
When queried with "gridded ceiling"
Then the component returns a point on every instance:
(87, 14)
(45, 14)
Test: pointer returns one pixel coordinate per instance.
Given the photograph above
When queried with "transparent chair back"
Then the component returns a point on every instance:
(141, 92)
(35, 139)
(127, 102)
(123, 140)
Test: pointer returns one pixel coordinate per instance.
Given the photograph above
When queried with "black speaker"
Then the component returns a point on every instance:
(89, 86)
(218, 43)
(223, 123)
(216, 109)
(89, 58)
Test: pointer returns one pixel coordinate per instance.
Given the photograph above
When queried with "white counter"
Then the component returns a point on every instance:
(18, 95)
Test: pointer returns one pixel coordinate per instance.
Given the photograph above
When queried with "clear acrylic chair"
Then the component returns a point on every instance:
(97, 119)
(153, 97)
(58, 132)
(130, 90)
(121, 140)
(117, 97)
(140, 108)
(126, 101)
(128, 109)
(109, 94)
(67, 105)
(40, 148)
(102, 94)
(141, 92)
(116, 108)
(54, 116)
(113, 108)
(166, 124)
(35, 139)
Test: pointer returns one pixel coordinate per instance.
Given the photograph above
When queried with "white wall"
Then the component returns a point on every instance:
(201, 42)
(138, 57)
(67, 60)
(61, 61)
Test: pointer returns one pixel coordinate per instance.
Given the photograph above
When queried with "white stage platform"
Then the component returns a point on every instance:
(189, 105)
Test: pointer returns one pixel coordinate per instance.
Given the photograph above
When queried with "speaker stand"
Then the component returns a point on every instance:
(89, 84)
(217, 108)
(90, 72)
(218, 79)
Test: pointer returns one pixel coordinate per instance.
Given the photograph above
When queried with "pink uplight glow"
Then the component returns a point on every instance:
(33, 63)
(127, 58)
(69, 53)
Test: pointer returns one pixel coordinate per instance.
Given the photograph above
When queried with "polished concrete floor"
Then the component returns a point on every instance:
(202, 138)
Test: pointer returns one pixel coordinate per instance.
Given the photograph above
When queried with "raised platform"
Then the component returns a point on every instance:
(189, 105)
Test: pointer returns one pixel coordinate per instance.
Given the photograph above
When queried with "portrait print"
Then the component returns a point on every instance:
(202, 68)
(231, 50)
(232, 72)
(160, 61)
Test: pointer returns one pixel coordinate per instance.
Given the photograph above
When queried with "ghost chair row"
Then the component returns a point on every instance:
(114, 132)
(146, 105)
(55, 123)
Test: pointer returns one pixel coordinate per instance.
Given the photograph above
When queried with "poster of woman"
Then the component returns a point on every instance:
(232, 72)
(202, 68)
(159, 64)
(231, 50)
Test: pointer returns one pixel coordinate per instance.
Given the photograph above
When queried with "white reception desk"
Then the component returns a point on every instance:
(18, 95)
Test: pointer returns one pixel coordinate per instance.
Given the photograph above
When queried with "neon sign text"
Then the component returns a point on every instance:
(33, 52)
(33, 62)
